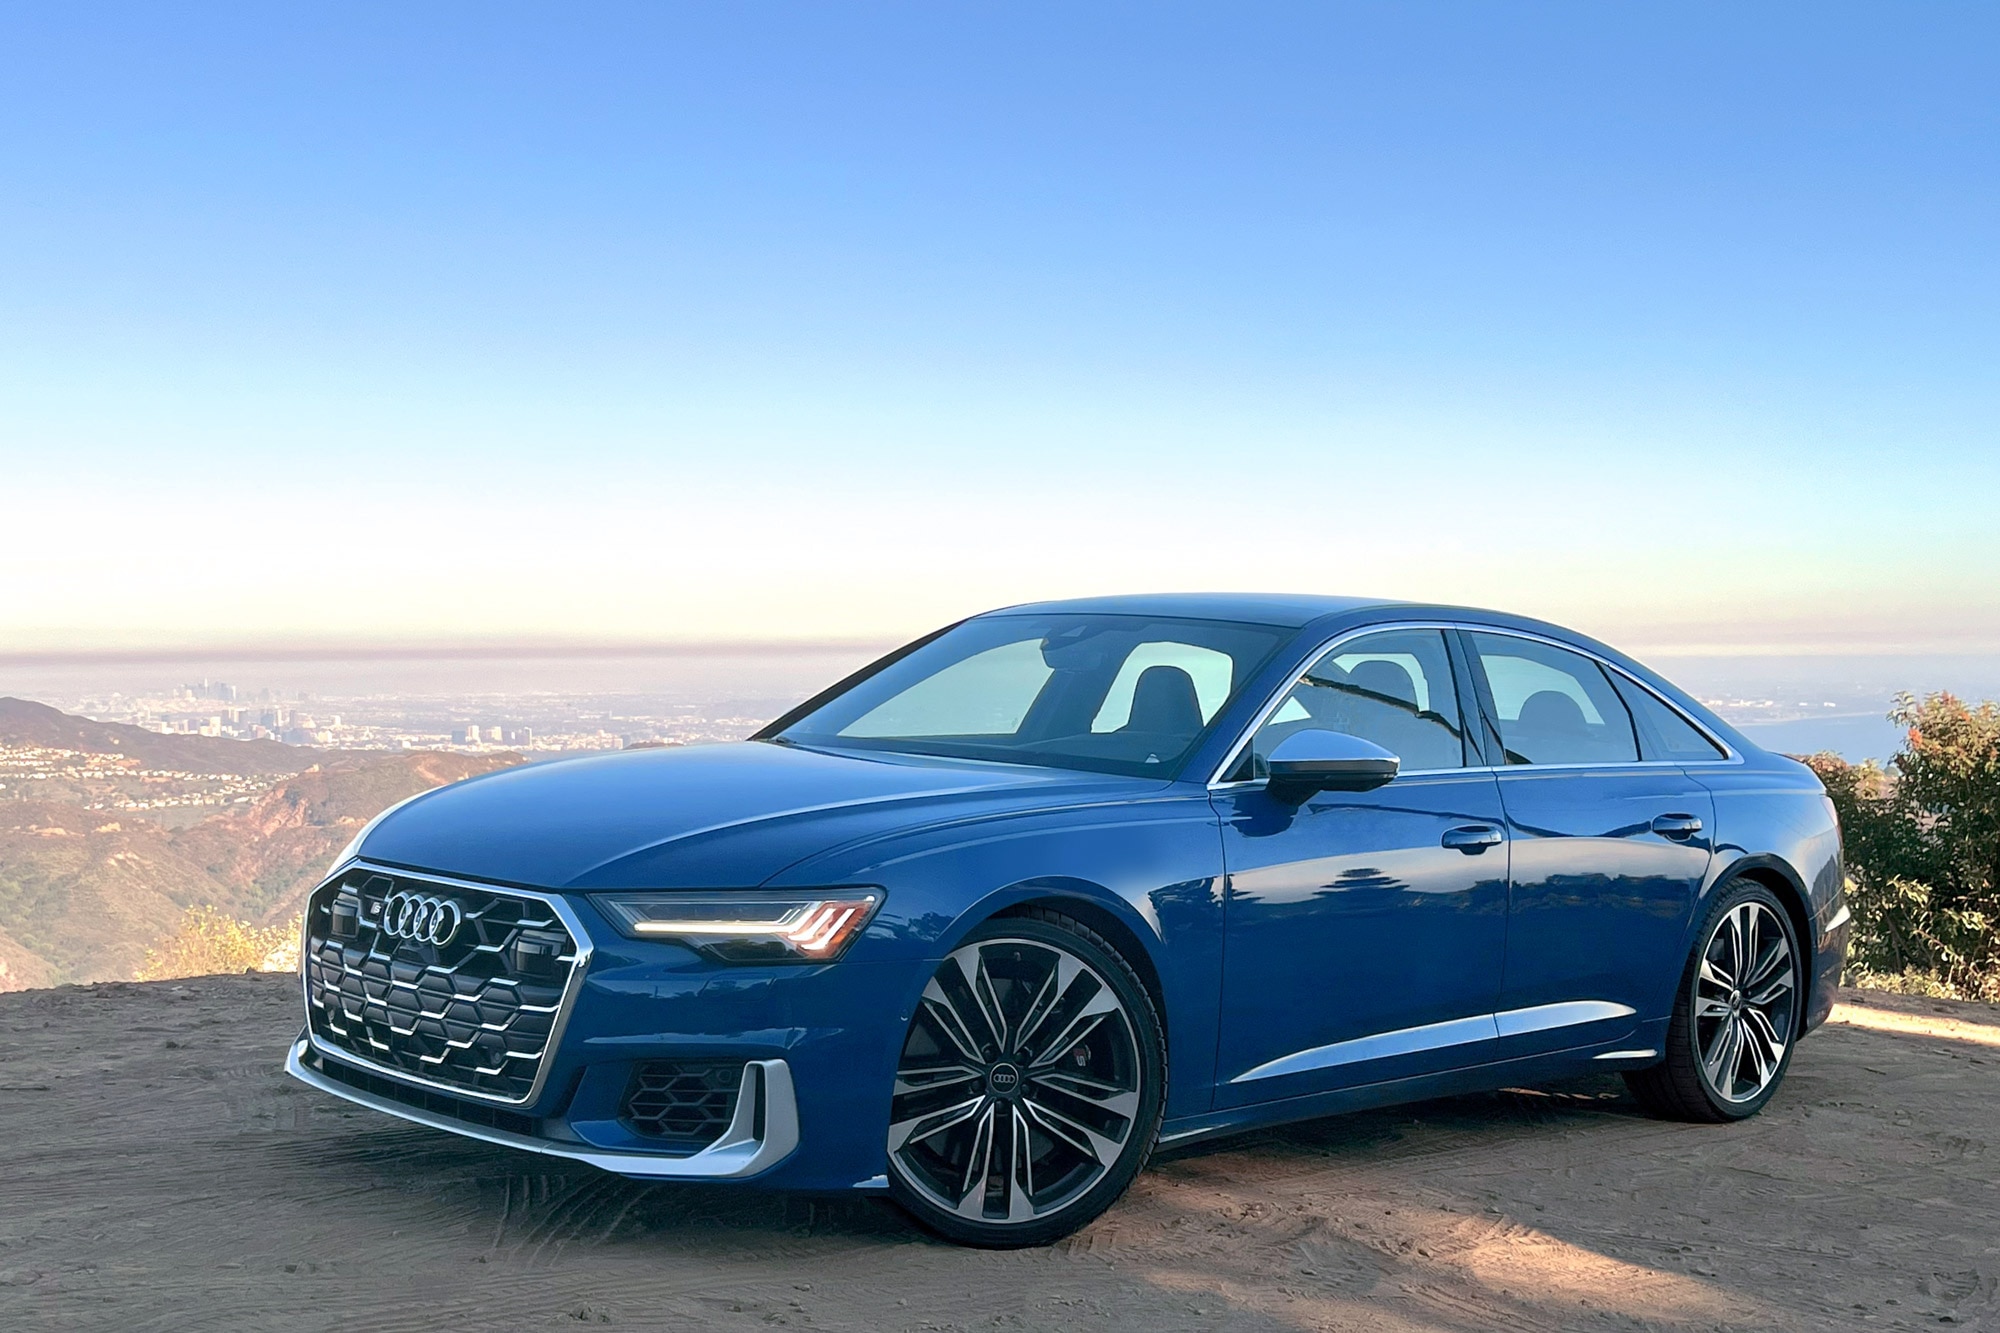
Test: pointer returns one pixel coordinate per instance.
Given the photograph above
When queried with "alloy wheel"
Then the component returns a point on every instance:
(1744, 1000)
(1019, 1086)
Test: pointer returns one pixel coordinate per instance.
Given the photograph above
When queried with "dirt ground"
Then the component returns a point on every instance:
(158, 1172)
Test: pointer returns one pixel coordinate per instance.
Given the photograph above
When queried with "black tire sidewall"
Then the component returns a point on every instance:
(1687, 1030)
(1150, 1040)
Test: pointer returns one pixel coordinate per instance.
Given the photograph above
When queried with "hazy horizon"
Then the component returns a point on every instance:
(1791, 703)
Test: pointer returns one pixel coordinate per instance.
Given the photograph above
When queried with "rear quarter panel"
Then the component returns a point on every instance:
(1772, 816)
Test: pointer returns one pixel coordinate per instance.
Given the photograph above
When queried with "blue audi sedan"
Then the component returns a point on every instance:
(983, 925)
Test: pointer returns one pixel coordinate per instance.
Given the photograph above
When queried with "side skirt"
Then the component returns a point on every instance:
(1634, 1051)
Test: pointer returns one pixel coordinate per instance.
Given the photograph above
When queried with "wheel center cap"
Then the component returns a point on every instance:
(1736, 1002)
(1004, 1079)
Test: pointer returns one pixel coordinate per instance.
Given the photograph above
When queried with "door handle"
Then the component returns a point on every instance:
(1676, 826)
(1472, 839)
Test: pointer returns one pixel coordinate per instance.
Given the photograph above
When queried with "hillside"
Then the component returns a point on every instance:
(24, 722)
(84, 891)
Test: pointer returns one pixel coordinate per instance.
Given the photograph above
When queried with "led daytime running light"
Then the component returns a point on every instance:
(818, 928)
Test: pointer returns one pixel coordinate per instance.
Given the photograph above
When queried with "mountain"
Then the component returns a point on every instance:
(84, 891)
(24, 722)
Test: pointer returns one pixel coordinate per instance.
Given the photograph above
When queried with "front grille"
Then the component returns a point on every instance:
(684, 1102)
(474, 1014)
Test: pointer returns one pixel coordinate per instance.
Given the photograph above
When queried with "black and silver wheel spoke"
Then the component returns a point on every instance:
(1743, 1002)
(929, 1077)
(929, 1123)
(1019, 1084)
(1066, 1124)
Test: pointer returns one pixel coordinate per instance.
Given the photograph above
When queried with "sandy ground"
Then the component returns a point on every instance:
(158, 1172)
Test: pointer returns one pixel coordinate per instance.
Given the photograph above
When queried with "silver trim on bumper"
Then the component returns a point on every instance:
(738, 1153)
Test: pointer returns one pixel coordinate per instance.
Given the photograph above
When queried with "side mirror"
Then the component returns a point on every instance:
(1315, 760)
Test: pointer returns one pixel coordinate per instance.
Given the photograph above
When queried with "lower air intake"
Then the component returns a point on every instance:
(687, 1103)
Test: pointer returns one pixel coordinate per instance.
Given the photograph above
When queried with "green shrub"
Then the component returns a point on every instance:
(1923, 851)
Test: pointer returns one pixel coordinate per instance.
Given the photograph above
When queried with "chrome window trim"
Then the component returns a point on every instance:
(571, 922)
(1272, 704)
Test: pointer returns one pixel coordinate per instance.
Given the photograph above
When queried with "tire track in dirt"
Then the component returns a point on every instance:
(167, 1177)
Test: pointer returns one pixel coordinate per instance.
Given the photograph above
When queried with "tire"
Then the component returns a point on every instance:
(1730, 1040)
(1030, 1088)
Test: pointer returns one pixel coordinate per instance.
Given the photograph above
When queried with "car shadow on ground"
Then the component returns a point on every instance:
(540, 1203)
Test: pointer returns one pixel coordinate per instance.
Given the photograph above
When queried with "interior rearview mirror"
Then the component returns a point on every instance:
(1316, 760)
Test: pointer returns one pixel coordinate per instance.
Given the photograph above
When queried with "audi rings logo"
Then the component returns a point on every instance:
(426, 920)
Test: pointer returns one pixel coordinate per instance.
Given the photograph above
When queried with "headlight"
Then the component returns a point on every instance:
(816, 925)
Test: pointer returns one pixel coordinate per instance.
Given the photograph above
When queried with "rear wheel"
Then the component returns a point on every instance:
(1736, 1015)
(1030, 1088)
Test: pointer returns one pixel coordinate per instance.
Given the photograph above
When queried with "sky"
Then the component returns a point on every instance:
(643, 323)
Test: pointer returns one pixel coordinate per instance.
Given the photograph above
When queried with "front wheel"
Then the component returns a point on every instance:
(1030, 1088)
(1736, 1015)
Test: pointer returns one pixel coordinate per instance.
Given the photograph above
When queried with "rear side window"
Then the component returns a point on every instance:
(1554, 706)
(1663, 732)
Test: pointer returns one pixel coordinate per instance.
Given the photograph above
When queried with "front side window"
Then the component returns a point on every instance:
(1393, 688)
(1109, 693)
(1554, 706)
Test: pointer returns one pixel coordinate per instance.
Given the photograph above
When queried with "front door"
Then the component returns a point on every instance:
(1364, 931)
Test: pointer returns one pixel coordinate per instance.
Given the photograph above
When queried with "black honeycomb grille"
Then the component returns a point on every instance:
(685, 1102)
(475, 1014)
(438, 1103)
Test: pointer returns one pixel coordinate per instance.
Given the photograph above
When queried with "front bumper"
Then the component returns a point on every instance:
(762, 1133)
(816, 1046)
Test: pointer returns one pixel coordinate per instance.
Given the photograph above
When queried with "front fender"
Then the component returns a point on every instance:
(1154, 868)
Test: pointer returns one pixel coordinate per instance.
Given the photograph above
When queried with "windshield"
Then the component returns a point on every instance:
(1109, 693)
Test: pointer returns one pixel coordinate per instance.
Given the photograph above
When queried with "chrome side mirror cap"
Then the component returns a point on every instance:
(1317, 760)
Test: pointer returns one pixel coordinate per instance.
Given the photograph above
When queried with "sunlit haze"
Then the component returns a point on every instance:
(637, 323)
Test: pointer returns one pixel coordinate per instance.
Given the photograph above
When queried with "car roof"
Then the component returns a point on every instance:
(1291, 610)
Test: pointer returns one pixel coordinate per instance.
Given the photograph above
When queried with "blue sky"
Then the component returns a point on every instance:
(653, 322)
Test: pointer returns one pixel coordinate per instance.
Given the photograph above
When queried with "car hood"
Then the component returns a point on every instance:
(712, 816)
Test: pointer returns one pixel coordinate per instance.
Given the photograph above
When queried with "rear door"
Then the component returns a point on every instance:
(1608, 848)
